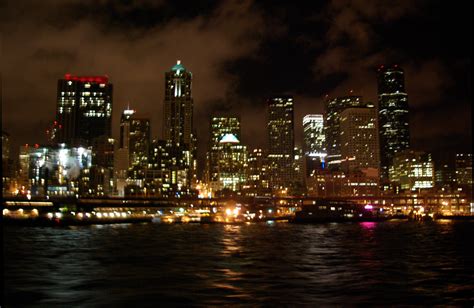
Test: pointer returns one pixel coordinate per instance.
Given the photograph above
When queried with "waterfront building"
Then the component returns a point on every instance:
(84, 109)
(393, 117)
(335, 183)
(412, 170)
(58, 170)
(359, 139)
(445, 171)
(281, 141)
(334, 107)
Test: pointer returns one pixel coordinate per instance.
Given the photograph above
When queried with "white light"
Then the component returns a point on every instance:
(58, 215)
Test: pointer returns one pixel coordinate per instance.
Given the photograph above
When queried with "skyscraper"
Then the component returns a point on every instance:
(359, 139)
(313, 134)
(219, 127)
(393, 116)
(84, 108)
(178, 116)
(178, 106)
(231, 163)
(257, 174)
(334, 107)
(281, 141)
(314, 147)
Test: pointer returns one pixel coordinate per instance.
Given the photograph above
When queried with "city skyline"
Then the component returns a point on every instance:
(226, 80)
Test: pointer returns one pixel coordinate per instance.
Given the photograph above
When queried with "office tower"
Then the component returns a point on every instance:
(464, 179)
(219, 127)
(134, 146)
(313, 134)
(135, 136)
(393, 116)
(334, 107)
(281, 141)
(231, 163)
(178, 106)
(257, 174)
(314, 147)
(411, 170)
(359, 139)
(84, 109)
(178, 115)
(139, 142)
(168, 169)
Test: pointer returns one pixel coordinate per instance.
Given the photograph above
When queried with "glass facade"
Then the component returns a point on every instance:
(393, 116)
(281, 141)
(334, 107)
(178, 106)
(359, 139)
(84, 109)
(313, 134)
(412, 170)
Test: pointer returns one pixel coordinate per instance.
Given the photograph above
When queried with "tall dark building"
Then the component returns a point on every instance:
(84, 109)
(178, 116)
(281, 141)
(178, 106)
(393, 117)
(334, 108)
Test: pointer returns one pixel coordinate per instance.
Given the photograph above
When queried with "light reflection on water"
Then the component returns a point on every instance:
(398, 263)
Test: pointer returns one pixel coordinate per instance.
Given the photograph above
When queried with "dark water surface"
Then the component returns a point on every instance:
(260, 264)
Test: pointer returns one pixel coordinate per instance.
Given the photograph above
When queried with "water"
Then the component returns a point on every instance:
(260, 264)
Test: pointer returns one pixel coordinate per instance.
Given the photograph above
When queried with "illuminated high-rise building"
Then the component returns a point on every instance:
(393, 117)
(84, 109)
(412, 170)
(314, 147)
(281, 141)
(257, 174)
(231, 164)
(178, 115)
(334, 107)
(134, 145)
(178, 106)
(359, 139)
(220, 126)
(313, 134)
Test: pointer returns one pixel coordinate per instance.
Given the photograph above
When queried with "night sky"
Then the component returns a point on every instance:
(240, 52)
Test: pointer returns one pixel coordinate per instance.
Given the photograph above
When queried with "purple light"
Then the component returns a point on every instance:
(368, 207)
